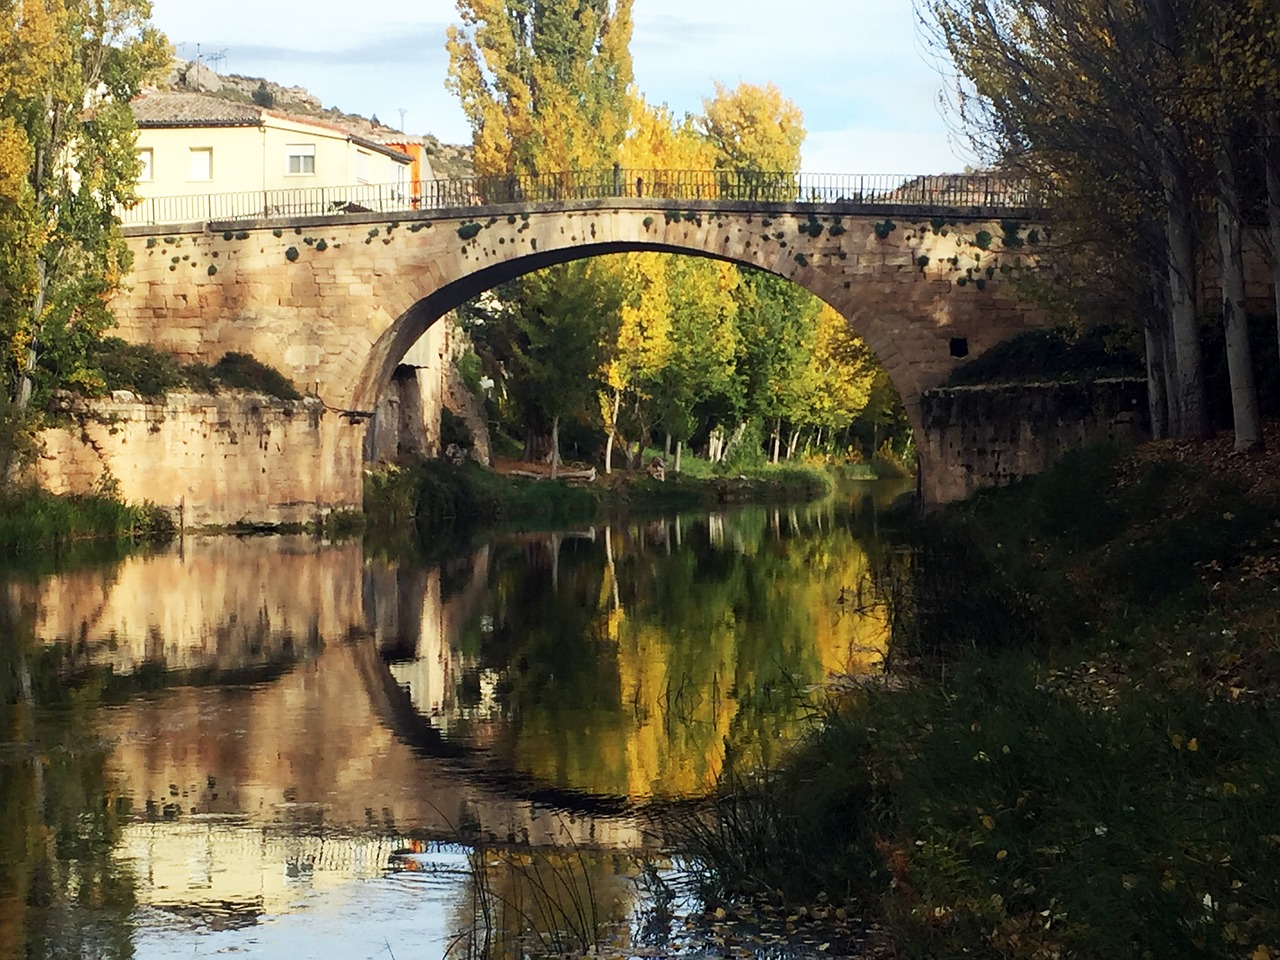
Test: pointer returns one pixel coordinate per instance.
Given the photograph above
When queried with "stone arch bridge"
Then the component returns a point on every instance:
(334, 291)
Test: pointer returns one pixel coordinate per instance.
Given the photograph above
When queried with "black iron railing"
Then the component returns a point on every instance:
(990, 191)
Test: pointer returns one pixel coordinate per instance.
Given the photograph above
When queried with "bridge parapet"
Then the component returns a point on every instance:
(997, 193)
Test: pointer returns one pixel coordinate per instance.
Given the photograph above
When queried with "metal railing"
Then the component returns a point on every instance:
(990, 191)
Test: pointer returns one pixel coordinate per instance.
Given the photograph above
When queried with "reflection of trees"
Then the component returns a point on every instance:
(662, 648)
(62, 892)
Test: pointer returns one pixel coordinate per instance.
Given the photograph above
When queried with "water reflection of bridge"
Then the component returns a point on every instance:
(365, 673)
(303, 725)
(335, 736)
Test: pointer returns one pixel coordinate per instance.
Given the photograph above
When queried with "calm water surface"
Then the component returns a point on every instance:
(285, 748)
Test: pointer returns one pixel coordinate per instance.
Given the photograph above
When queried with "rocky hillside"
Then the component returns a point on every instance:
(447, 160)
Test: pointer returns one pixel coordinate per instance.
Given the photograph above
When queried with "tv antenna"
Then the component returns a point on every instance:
(403, 111)
(217, 59)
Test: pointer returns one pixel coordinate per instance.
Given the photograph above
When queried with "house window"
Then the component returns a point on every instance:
(362, 167)
(201, 163)
(146, 157)
(301, 159)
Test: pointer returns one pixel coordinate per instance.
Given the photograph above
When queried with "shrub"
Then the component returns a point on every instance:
(17, 436)
(471, 370)
(1051, 355)
(239, 371)
(454, 430)
(137, 367)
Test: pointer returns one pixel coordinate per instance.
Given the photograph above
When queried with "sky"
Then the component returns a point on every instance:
(860, 70)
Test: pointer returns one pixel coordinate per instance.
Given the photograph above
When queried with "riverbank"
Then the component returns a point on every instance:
(1075, 751)
(36, 523)
(437, 499)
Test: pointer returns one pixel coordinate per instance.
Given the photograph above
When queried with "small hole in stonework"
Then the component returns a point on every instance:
(959, 346)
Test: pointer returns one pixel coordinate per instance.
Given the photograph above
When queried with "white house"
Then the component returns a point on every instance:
(205, 158)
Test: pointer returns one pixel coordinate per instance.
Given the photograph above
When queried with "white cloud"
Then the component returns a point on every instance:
(857, 68)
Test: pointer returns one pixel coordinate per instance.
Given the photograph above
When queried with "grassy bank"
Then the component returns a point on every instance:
(1076, 752)
(35, 523)
(435, 499)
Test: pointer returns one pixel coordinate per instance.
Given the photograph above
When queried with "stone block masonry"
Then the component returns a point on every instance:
(210, 460)
(335, 302)
(987, 435)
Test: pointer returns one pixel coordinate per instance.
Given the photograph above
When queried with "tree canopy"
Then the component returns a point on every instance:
(68, 69)
(680, 344)
(1147, 122)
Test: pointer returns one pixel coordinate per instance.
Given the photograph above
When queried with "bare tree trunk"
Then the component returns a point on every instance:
(555, 446)
(1273, 201)
(1155, 330)
(1244, 392)
(1188, 395)
(613, 432)
(777, 439)
(679, 451)
(1157, 399)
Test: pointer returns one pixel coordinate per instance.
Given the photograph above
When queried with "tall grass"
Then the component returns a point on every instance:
(1079, 751)
(33, 521)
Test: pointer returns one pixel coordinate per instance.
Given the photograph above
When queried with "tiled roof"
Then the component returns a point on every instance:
(162, 109)
(156, 108)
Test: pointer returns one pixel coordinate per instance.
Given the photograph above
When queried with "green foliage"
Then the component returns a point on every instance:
(67, 161)
(1052, 355)
(17, 436)
(152, 373)
(469, 231)
(982, 240)
(1091, 770)
(263, 96)
(33, 521)
(883, 228)
(471, 368)
(748, 452)
(291, 254)
(149, 372)
(454, 430)
(239, 371)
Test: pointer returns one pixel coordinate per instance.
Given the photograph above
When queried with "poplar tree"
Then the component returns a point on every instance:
(1087, 95)
(544, 84)
(68, 69)
(676, 339)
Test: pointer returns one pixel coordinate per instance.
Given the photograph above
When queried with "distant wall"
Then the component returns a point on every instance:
(986, 435)
(211, 460)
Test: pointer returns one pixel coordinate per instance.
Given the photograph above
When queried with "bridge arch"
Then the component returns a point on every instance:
(336, 301)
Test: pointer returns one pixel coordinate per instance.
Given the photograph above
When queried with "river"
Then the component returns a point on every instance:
(281, 747)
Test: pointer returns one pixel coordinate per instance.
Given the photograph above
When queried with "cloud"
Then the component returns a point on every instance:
(857, 68)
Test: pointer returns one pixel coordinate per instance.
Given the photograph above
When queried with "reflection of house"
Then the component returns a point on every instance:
(194, 145)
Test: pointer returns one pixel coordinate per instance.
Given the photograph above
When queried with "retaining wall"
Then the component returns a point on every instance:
(987, 435)
(211, 460)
